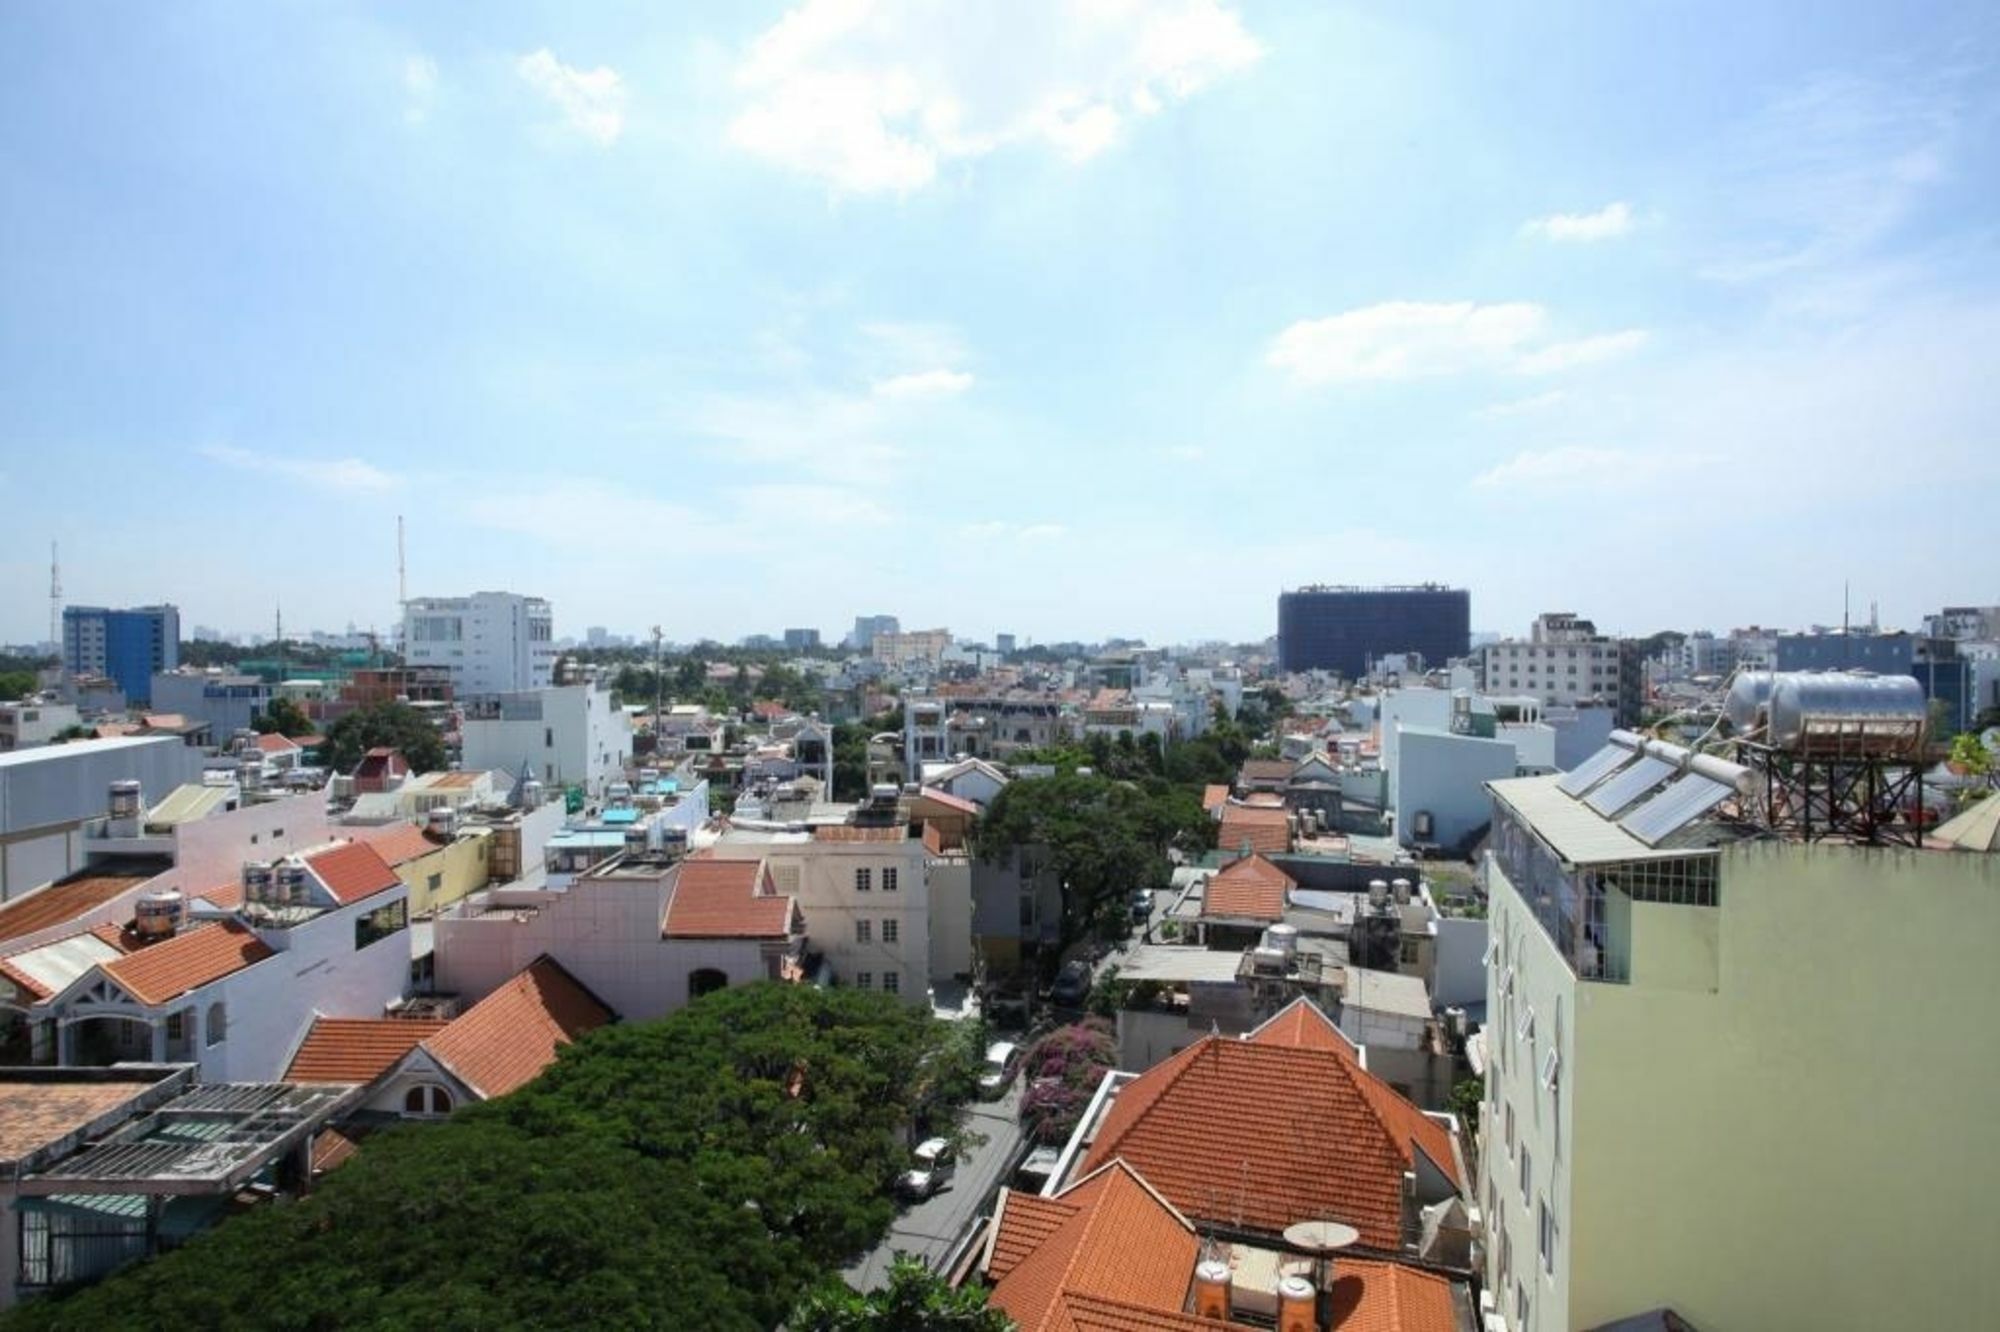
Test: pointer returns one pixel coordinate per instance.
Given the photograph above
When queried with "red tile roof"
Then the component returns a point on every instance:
(1214, 797)
(1371, 1296)
(1270, 1129)
(1120, 1243)
(188, 961)
(1265, 770)
(950, 801)
(358, 1049)
(1251, 887)
(275, 744)
(63, 901)
(227, 896)
(1020, 1223)
(1265, 830)
(506, 1039)
(331, 1147)
(726, 899)
(397, 843)
(352, 871)
(847, 832)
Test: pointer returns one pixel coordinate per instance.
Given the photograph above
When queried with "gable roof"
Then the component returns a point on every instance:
(939, 796)
(1265, 829)
(1120, 1242)
(50, 968)
(63, 901)
(397, 843)
(1274, 1128)
(1265, 770)
(273, 743)
(1214, 797)
(170, 968)
(352, 871)
(1249, 887)
(357, 1049)
(725, 899)
(506, 1039)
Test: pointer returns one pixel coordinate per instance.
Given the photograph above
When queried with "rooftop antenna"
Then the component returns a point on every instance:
(402, 586)
(55, 609)
(659, 690)
(1845, 585)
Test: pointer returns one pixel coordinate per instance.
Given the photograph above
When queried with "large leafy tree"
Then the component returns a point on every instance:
(395, 725)
(702, 1171)
(1105, 838)
(285, 718)
(16, 684)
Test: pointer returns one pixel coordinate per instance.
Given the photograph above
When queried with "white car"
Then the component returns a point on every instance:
(935, 1162)
(1002, 1059)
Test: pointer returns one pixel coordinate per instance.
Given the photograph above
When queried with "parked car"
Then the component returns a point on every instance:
(932, 1164)
(1072, 985)
(1142, 903)
(1003, 1060)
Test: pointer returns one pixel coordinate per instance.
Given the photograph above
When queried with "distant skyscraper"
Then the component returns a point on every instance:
(1343, 628)
(1003, 644)
(126, 645)
(801, 640)
(491, 642)
(868, 627)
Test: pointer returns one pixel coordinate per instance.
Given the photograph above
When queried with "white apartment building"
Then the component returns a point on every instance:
(491, 642)
(1564, 661)
(570, 734)
(1713, 1061)
(33, 723)
(863, 892)
(918, 647)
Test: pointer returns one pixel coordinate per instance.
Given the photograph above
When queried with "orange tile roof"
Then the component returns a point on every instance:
(1272, 1129)
(352, 871)
(62, 901)
(847, 832)
(358, 1049)
(188, 961)
(950, 801)
(1302, 1026)
(228, 896)
(1121, 1243)
(274, 743)
(34, 1115)
(726, 899)
(454, 781)
(1371, 1296)
(397, 843)
(506, 1039)
(1020, 1223)
(331, 1147)
(1250, 887)
(1214, 797)
(1265, 830)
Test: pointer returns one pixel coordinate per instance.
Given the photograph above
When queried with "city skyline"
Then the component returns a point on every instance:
(1581, 310)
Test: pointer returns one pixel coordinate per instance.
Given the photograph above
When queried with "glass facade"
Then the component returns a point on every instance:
(1343, 628)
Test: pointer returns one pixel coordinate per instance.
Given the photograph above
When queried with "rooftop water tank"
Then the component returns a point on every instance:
(1748, 698)
(1848, 715)
(156, 915)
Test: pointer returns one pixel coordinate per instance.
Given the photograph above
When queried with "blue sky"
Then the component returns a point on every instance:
(1066, 319)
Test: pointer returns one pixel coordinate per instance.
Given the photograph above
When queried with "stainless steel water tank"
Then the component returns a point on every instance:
(1748, 696)
(1848, 715)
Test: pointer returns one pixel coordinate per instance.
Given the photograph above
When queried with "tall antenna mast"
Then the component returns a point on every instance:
(402, 578)
(55, 608)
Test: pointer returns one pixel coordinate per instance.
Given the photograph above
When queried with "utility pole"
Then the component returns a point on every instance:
(659, 691)
(55, 612)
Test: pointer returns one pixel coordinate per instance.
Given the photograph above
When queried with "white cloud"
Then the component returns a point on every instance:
(1569, 468)
(879, 95)
(591, 100)
(996, 530)
(1614, 219)
(905, 344)
(420, 84)
(1540, 402)
(1187, 452)
(1558, 356)
(348, 475)
(1400, 340)
(923, 384)
(1041, 532)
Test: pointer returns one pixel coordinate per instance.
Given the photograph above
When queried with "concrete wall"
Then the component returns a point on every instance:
(821, 875)
(47, 794)
(951, 916)
(1445, 774)
(457, 866)
(1580, 732)
(1756, 1132)
(1458, 973)
(578, 738)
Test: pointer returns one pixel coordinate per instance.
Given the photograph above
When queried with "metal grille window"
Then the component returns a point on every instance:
(892, 982)
(890, 931)
(864, 880)
(863, 931)
(889, 878)
(864, 980)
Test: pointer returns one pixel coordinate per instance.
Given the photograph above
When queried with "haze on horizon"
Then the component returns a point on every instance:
(1064, 319)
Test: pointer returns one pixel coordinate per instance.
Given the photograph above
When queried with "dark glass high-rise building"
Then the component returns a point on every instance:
(1343, 628)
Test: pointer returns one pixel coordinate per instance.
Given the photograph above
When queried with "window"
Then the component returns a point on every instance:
(1027, 911)
(1520, 1305)
(891, 931)
(1525, 1028)
(864, 980)
(177, 1026)
(548, 737)
(434, 882)
(1548, 1229)
(1525, 1173)
(864, 880)
(427, 1102)
(217, 1026)
(864, 931)
(1551, 1069)
(380, 923)
(1409, 953)
(889, 879)
(1510, 1128)
(892, 982)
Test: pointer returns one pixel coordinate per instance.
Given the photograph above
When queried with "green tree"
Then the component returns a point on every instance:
(914, 1301)
(285, 718)
(16, 684)
(1465, 1099)
(1969, 752)
(395, 725)
(705, 1170)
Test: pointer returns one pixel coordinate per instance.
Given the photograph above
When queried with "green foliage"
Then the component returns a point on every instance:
(25, 661)
(397, 725)
(16, 684)
(285, 718)
(1970, 753)
(913, 1301)
(1465, 1099)
(1104, 838)
(702, 1171)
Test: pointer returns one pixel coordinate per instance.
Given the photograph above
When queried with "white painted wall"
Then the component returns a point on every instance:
(577, 737)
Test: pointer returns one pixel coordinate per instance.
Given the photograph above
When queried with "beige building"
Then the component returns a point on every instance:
(917, 647)
(1731, 1072)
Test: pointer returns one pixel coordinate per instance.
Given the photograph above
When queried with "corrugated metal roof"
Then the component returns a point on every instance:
(186, 804)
